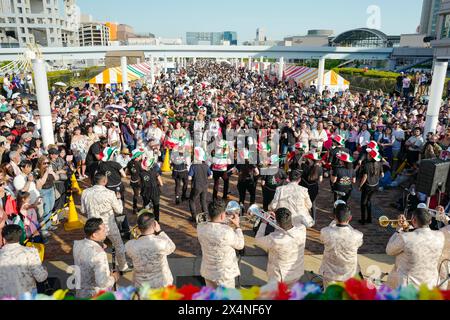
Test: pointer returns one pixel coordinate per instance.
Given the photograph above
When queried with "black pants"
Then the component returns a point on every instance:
(122, 219)
(217, 175)
(195, 195)
(243, 187)
(366, 205)
(136, 194)
(268, 196)
(154, 199)
(180, 179)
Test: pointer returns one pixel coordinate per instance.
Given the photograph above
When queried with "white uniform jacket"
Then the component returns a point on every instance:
(286, 253)
(297, 200)
(417, 256)
(149, 256)
(219, 243)
(95, 275)
(20, 269)
(340, 256)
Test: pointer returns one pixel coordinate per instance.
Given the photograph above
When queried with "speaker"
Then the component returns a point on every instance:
(433, 174)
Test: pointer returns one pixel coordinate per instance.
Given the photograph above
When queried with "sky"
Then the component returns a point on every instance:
(280, 18)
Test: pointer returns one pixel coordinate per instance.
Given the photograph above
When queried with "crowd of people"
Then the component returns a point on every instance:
(216, 121)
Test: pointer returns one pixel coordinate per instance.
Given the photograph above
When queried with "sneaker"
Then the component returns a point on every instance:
(177, 201)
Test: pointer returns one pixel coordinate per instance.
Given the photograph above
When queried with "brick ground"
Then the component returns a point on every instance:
(174, 220)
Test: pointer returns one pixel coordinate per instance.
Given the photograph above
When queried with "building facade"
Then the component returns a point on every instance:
(430, 16)
(211, 38)
(367, 38)
(25, 22)
(94, 34)
(442, 43)
(124, 32)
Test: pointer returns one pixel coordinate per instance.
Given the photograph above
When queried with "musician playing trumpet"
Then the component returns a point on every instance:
(286, 249)
(219, 242)
(149, 254)
(444, 265)
(417, 253)
(341, 241)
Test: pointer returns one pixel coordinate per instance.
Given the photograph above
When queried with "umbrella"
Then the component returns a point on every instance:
(15, 95)
(60, 84)
(114, 107)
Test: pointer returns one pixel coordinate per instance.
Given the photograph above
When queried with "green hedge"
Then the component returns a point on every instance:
(367, 73)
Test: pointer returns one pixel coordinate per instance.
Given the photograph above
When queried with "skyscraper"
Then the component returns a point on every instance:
(261, 35)
(212, 38)
(429, 18)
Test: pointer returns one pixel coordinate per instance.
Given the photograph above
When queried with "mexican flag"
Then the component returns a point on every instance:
(175, 142)
(264, 147)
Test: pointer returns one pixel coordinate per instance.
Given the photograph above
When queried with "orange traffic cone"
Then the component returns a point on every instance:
(166, 164)
(75, 185)
(73, 222)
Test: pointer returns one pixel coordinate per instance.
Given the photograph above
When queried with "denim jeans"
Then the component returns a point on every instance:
(285, 149)
(48, 197)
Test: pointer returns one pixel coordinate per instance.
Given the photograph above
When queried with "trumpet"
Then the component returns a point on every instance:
(135, 232)
(255, 211)
(386, 222)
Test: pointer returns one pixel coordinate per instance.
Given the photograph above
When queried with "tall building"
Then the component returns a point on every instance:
(24, 22)
(124, 32)
(442, 44)
(211, 38)
(112, 30)
(429, 18)
(261, 35)
(94, 34)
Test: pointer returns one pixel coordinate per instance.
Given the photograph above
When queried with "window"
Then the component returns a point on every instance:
(445, 32)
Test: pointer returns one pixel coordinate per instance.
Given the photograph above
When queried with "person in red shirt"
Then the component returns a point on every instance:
(18, 130)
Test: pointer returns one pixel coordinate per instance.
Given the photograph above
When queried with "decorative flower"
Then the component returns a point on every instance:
(334, 292)
(60, 294)
(300, 291)
(386, 293)
(426, 294)
(359, 290)
(205, 294)
(250, 294)
(124, 293)
(188, 291)
(225, 294)
(105, 296)
(408, 293)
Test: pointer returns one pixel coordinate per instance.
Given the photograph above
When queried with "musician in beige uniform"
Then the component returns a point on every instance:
(341, 241)
(219, 243)
(20, 267)
(286, 249)
(99, 202)
(149, 254)
(417, 253)
(296, 199)
(90, 257)
(444, 264)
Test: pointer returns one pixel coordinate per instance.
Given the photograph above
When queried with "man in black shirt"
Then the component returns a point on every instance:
(199, 173)
(134, 167)
(248, 176)
(343, 178)
(179, 174)
(287, 139)
(151, 182)
(93, 157)
(338, 147)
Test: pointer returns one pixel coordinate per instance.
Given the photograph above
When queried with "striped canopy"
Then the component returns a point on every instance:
(310, 76)
(114, 75)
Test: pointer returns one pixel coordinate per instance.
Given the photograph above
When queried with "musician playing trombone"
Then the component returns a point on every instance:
(219, 242)
(341, 241)
(286, 249)
(417, 253)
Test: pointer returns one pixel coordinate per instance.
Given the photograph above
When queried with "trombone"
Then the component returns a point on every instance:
(255, 211)
(386, 222)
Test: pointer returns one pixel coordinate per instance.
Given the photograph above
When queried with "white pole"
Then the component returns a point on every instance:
(261, 68)
(281, 69)
(123, 63)
(138, 60)
(195, 60)
(152, 70)
(43, 100)
(165, 64)
(321, 74)
(436, 90)
(250, 64)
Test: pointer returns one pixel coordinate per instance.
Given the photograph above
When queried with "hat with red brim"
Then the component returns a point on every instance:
(313, 156)
(374, 154)
(344, 156)
(339, 139)
(373, 145)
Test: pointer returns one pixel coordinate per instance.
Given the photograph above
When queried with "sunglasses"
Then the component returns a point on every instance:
(47, 163)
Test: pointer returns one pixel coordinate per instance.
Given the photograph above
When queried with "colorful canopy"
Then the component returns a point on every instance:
(310, 76)
(114, 75)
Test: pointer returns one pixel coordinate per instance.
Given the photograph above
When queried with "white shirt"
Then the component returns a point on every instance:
(398, 134)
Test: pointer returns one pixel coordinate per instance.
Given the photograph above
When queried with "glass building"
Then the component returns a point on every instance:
(211, 38)
(364, 37)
